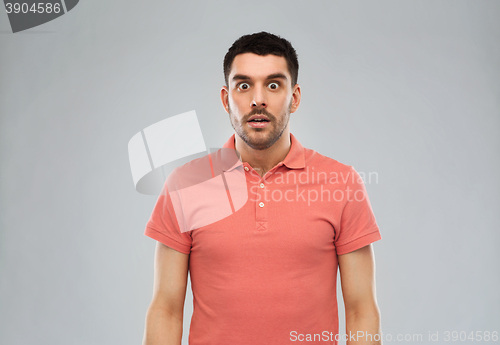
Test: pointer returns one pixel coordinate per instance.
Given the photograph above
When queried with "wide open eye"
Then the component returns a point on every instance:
(243, 86)
(274, 86)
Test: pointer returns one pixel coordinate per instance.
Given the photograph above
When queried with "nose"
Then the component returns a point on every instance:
(259, 98)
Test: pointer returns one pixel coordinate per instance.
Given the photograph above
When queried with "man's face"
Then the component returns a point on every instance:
(260, 98)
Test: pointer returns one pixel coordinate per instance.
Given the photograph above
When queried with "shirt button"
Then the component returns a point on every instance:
(246, 169)
(261, 185)
(261, 204)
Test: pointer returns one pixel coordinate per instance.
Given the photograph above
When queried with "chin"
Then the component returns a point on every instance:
(260, 143)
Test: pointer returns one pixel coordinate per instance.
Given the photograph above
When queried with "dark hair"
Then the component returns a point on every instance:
(263, 43)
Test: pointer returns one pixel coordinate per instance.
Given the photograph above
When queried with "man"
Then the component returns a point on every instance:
(266, 274)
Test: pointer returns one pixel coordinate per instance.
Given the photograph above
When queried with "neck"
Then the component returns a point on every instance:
(264, 160)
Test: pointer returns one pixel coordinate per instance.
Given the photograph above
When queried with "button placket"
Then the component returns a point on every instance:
(261, 207)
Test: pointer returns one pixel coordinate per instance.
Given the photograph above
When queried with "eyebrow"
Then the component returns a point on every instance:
(271, 76)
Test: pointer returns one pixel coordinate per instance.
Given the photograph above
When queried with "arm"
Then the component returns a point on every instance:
(357, 275)
(165, 313)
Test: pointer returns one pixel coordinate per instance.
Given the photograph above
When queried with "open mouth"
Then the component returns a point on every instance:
(259, 120)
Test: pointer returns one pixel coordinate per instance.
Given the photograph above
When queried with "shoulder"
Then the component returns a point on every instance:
(322, 162)
(203, 168)
(190, 173)
(335, 173)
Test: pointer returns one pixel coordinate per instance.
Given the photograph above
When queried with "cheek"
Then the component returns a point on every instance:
(237, 103)
(283, 102)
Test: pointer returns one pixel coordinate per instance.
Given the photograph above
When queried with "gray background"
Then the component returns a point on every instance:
(407, 89)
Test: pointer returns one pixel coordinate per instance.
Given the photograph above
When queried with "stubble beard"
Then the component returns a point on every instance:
(263, 142)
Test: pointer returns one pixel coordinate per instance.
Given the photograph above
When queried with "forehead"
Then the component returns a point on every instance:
(257, 66)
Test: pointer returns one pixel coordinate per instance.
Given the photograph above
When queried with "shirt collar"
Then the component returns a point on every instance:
(295, 159)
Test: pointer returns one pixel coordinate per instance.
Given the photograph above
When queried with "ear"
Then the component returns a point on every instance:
(224, 97)
(295, 98)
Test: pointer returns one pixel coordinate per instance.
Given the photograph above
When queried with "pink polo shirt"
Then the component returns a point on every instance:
(264, 269)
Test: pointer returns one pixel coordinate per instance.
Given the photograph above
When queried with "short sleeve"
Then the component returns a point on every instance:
(164, 227)
(358, 226)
